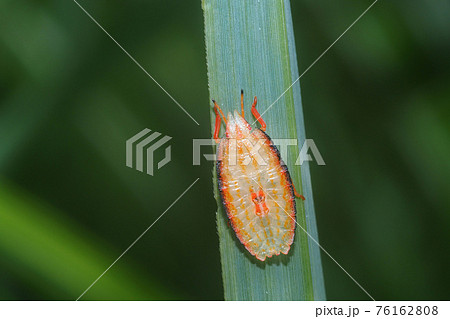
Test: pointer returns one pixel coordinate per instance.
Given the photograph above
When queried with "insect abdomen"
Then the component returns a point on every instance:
(258, 199)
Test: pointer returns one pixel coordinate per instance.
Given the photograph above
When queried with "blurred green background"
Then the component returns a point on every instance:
(376, 105)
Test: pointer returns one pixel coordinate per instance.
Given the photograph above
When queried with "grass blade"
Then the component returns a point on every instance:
(250, 46)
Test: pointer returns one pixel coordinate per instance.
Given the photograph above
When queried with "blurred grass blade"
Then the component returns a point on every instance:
(250, 45)
(60, 263)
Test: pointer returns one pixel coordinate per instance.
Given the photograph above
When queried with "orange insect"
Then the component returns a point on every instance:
(254, 184)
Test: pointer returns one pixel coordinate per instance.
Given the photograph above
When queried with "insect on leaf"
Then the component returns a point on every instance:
(250, 46)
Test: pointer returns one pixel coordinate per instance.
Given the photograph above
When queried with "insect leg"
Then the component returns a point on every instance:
(297, 194)
(218, 120)
(217, 126)
(258, 117)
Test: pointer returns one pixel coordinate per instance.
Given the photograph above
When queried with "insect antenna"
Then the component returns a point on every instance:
(242, 103)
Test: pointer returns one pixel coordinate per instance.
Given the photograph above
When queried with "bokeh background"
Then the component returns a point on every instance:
(377, 106)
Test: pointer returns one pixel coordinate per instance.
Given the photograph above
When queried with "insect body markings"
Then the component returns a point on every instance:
(254, 184)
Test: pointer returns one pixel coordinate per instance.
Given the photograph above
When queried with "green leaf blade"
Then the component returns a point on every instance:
(250, 45)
